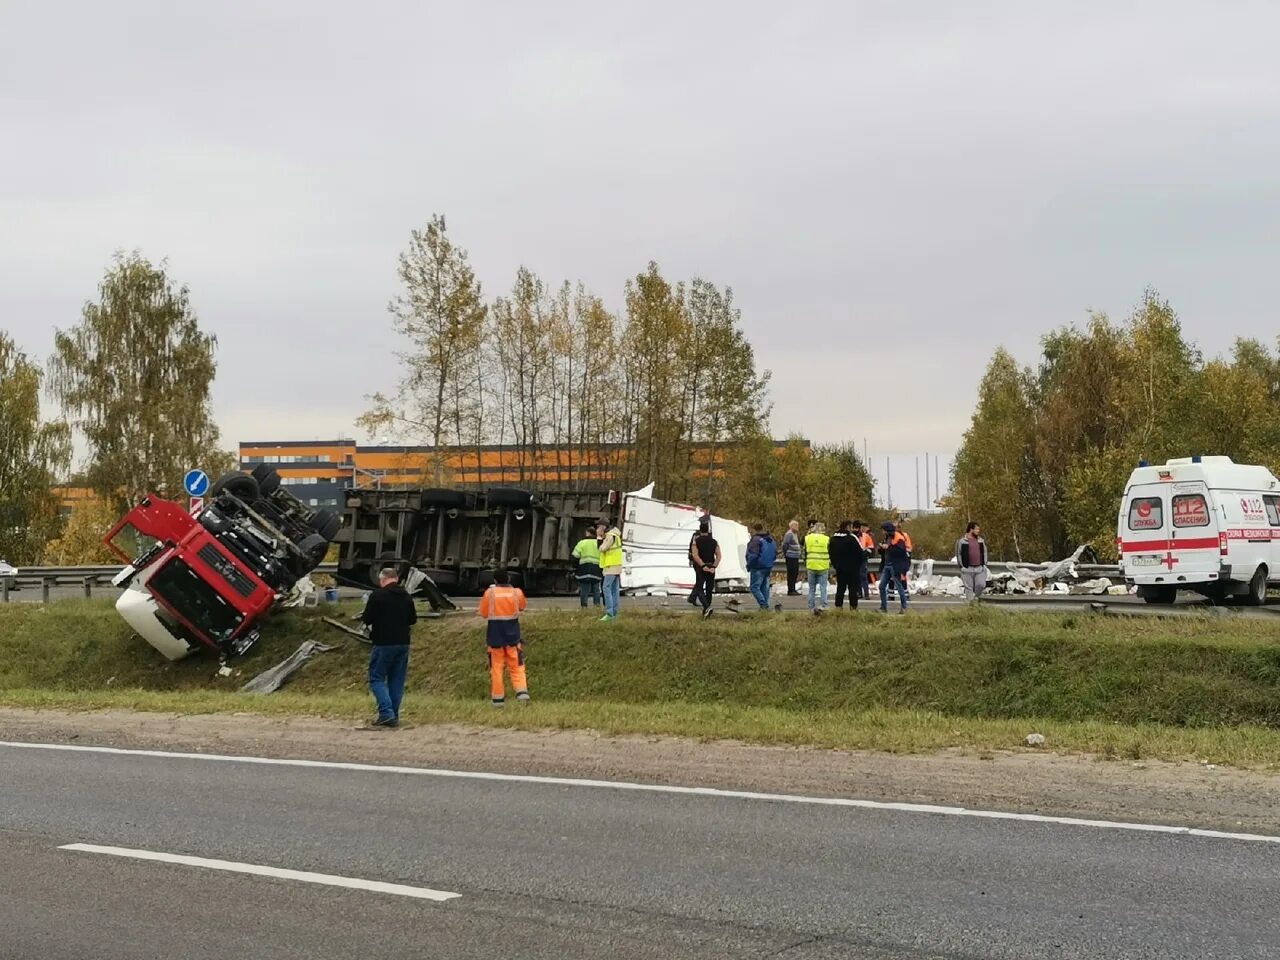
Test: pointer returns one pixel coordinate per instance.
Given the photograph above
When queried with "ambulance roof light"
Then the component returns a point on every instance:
(1144, 463)
(1196, 458)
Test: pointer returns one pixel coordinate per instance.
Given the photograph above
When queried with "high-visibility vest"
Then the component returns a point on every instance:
(502, 603)
(613, 556)
(817, 555)
(588, 550)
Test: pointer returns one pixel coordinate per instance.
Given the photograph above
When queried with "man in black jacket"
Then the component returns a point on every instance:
(390, 614)
(848, 559)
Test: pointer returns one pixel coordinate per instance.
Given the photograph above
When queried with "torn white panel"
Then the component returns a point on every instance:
(656, 535)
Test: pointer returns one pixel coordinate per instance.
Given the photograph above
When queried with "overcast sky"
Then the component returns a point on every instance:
(892, 189)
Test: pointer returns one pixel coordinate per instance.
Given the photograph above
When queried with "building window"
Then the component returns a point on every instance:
(322, 458)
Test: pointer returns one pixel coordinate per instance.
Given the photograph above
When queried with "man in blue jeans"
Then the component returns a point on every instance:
(761, 554)
(390, 614)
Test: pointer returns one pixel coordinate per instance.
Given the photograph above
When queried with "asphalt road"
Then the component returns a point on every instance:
(570, 870)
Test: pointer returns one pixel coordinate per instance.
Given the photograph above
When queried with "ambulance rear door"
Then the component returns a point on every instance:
(1144, 532)
(1194, 528)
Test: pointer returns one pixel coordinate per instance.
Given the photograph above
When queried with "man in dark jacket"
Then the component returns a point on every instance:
(895, 565)
(390, 615)
(761, 554)
(849, 561)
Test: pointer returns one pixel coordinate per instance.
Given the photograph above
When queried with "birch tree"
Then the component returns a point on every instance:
(33, 455)
(133, 377)
(441, 314)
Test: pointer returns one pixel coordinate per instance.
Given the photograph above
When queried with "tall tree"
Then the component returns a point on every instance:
(134, 377)
(32, 456)
(992, 469)
(656, 331)
(441, 313)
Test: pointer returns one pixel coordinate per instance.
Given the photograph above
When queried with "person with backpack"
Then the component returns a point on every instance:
(847, 558)
(762, 553)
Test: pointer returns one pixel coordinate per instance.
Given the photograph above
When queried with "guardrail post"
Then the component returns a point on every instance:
(88, 587)
(45, 583)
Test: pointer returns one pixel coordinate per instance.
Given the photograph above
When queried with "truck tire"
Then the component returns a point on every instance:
(327, 524)
(1159, 595)
(268, 478)
(440, 497)
(314, 547)
(237, 484)
(507, 497)
(1257, 596)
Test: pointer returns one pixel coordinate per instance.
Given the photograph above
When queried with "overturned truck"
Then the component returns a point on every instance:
(205, 579)
(458, 538)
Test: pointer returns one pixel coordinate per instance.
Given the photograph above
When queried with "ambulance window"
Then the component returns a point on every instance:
(1146, 513)
(1190, 510)
(1273, 510)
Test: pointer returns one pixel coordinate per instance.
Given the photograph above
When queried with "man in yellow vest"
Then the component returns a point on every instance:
(818, 562)
(611, 563)
(587, 553)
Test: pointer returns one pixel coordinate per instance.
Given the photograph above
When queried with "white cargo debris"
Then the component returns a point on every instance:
(1096, 588)
(656, 535)
(1034, 740)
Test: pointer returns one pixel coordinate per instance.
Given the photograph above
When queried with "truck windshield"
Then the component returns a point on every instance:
(180, 588)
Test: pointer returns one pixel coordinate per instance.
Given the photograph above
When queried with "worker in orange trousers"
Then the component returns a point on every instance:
(501, 606)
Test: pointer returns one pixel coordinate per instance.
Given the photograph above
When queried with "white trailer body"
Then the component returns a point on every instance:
(655, 540)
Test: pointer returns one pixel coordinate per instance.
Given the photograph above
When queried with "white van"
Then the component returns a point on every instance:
(1200, 523)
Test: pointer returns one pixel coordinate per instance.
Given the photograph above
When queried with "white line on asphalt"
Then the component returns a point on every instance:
(302, 876)
(660, 788)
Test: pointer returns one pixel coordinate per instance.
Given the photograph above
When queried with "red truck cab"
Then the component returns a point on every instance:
(206, 580)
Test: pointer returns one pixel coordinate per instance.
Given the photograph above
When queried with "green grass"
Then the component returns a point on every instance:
(1185, 687)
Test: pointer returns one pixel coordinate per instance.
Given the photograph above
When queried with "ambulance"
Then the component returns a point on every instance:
(1205, 524)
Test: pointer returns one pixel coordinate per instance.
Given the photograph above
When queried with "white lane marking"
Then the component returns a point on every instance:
(302, 876)
(660, 788)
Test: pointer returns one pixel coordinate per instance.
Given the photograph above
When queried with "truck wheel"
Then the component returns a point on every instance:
(507, 497)
(268, 478)
(1160, 595)
(314, 547)
(1257, 596)
(438, 497)
(237, 484)
(326, 523)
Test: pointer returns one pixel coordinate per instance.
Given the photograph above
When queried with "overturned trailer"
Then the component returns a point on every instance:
(458, 538)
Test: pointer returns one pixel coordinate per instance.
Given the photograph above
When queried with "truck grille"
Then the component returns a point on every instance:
(229, 572)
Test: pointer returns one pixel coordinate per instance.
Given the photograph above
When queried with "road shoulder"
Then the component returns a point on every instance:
(1184, 794)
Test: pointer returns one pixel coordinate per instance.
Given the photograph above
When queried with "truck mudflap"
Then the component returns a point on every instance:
(417, 582)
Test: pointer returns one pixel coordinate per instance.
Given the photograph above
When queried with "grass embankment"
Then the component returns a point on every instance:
(1172, 688)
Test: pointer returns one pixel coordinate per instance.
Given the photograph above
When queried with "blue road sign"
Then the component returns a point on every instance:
(196, 483)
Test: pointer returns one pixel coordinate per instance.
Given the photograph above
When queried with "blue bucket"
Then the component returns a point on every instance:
(331, 594)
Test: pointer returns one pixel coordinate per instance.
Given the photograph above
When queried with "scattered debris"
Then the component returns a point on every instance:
(272, 679)
(1034, 740)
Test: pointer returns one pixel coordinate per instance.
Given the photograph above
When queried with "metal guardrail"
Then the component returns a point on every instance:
(88, 577)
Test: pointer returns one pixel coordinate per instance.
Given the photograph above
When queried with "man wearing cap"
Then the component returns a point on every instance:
(895, 564)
